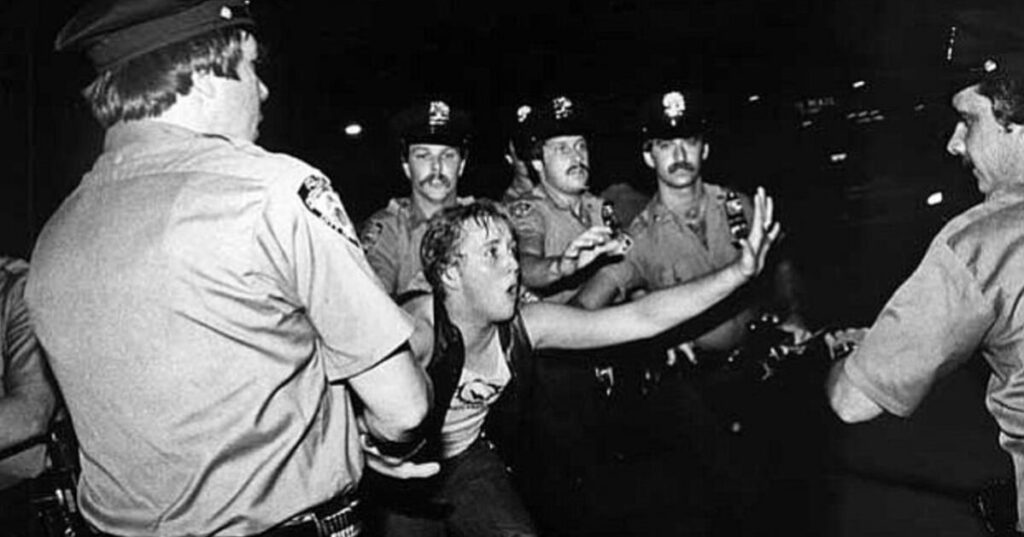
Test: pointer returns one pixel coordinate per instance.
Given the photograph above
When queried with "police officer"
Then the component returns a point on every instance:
(686, 231)
(205, 303)
(963, 299)
(559, 223)
(434, 139)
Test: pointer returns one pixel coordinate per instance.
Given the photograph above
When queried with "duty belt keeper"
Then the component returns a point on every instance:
(344, 523)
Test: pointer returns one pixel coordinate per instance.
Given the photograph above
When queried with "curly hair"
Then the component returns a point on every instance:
(1007, 96)
(440, 247)
(148, 85)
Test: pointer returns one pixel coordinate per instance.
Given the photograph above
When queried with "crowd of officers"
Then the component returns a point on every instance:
(237, 359)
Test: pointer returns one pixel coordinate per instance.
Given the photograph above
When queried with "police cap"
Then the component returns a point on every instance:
(558, 116)
(674, 114)
(433, 122)
(114, 31)
(520, 133)
(986, 42)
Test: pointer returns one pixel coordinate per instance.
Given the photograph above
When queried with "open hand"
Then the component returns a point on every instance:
(590, 245)
(763, 232)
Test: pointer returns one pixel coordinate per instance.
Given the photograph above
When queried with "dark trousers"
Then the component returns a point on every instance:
(475, 497)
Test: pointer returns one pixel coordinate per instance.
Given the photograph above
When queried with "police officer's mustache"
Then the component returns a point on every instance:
(437, 177)
(576, 168)
(682, 165)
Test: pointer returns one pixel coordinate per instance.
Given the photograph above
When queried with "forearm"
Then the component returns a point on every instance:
(848, 401)
(661, 310)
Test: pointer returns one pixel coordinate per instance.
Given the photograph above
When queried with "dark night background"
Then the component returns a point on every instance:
(851, 166)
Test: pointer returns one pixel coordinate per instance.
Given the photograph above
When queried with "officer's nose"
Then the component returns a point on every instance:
(678, 152)
(956, 146)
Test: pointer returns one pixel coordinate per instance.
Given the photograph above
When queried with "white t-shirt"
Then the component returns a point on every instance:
(483, 380)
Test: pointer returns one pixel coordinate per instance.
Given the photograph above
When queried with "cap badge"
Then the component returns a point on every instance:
(439, 113)
(674, 104)
(562, 107)
(225, 13)
(522, 113)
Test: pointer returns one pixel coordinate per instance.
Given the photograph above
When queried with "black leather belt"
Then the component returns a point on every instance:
(339, 517)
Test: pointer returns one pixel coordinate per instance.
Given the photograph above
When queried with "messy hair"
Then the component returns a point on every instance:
(149, 84)
(440, 247)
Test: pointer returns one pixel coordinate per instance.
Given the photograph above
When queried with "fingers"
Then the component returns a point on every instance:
(590, 238)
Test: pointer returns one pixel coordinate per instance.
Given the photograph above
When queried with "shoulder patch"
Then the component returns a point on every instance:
(520, 209)
(370, 233)
(318, 196)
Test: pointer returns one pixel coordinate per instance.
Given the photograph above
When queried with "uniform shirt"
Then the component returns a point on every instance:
(545, 229)
(964, 297)
(391, 238)
(667, 252)
(202, 301)
(22, 363)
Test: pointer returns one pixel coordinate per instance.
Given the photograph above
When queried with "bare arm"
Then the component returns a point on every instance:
(397, 395)
(554, 326)
(848, 401)
(422, 340)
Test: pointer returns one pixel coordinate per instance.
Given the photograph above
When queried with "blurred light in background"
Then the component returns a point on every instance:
(353, 129)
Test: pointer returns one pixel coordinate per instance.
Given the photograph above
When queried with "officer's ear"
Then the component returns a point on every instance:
(538, 166)
(706, 151)
(407, 169)
(649, 160)
(462, 165)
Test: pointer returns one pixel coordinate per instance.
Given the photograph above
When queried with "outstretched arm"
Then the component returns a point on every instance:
(552, 325)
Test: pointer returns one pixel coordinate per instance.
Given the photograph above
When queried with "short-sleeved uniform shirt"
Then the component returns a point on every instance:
(966, 296)
(198, 296)
(391, 238)
(543, 228)
(667, 251)
(23, 362)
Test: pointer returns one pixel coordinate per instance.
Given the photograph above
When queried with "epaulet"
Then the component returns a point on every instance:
(465, 200)
(521, 208)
